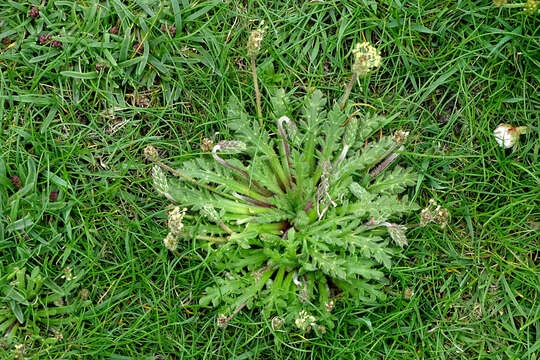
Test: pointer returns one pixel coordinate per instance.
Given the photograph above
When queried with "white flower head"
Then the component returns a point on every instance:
(507, 136)
(170, 242)
(175, 221)
(305, 321)
(366, 59)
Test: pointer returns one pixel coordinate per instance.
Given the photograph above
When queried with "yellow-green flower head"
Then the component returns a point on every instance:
(499, 2)
(530, 7)
(366, 59)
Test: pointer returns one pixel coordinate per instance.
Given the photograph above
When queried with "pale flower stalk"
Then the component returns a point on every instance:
(254, 45)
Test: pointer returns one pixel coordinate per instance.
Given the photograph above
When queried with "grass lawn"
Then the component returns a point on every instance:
(78, 107)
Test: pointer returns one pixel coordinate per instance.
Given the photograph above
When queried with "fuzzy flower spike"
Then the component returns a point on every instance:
(255, 40)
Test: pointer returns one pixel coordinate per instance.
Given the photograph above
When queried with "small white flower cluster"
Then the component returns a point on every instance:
(400, 136)
(329, 305)
(176, 217)
(434, 213)
(305, 321)
(175, 221)
(222, 320)
(68, 274)
(366, 59)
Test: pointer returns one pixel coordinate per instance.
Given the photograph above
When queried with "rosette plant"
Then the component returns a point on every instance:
(294, 215)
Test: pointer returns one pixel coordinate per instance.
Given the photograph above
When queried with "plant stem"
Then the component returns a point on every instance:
(257, 94)
(207, 238)
(348, 91)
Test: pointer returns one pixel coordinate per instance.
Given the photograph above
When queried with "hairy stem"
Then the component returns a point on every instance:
(257, 94)
(348, 91)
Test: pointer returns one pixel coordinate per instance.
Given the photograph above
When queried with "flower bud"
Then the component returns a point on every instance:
(277, 323)
(231, 146)
(507, 135)
(210, 213)
(160, 180)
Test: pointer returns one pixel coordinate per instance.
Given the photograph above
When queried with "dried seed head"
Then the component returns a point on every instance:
(499, 3)
(170, 242)
(175, 221)
(207, 145)
(321, 329)
(150, 153)
(114, 30)
(6, 40)
(400, 136)
(84, 294)
(408, 294)
(366, 59)
(277, 323)
(34, 12)
(138, 47)
(255, 41)
(530, 7)
(222, 321)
